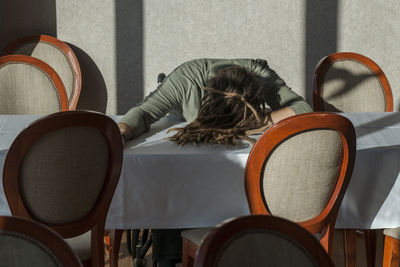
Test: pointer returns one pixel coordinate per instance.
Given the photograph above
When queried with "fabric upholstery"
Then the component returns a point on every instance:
(352, 87)
(300, 174)
(263, 248)
(195, 236)
(23, 251)
(393, 232)
(25, 89)
(80, 245)
(63, 173)
(53, 56)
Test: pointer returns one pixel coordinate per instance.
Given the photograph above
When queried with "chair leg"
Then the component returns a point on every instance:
(188, 253)
(391, 252)
(370, 247)
(116, 237)
(327, 239)
(350, 247)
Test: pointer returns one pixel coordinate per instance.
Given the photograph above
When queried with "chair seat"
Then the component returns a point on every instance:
(393, 232)
(195, 236)
(80, 245)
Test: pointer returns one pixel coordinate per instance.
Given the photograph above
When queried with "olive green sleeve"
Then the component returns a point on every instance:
(157, 104)
(276, 93)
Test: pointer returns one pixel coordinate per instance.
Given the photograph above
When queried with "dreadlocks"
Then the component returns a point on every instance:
(230, 110)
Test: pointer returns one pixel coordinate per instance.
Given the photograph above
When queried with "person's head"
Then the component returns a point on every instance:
(232, 105)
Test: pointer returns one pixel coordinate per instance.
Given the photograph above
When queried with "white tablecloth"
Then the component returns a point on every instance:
(163, 185)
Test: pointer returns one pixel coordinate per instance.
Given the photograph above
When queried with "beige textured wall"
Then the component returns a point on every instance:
(372, 28)
(123, 44)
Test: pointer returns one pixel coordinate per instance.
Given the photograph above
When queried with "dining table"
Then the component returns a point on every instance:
(164, 185)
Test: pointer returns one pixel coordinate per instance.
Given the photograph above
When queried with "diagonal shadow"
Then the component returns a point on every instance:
(365, 197)
(350, 81)
(390, 119)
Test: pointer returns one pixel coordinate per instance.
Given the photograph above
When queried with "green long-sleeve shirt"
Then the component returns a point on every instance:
(182, 90)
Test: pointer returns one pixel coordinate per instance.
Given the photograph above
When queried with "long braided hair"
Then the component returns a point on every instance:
(231, 110)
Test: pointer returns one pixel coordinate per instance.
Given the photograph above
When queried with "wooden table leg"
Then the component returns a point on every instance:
(350, 247)
(370, 247)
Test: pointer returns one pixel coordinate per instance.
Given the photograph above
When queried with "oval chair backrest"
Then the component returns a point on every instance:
(62, 174)
(63, 169)
(25, 243)
(350, 82)
(58, 55)
(300, 174)
(260, 241)
(30, 86)
(263, 248)
(300, 165)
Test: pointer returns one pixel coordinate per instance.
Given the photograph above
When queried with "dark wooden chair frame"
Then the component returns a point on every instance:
(219, 236)
(51, 73)
(324, 222)
(324, 65)
(95, 220)
(68, 52)
(50, 239)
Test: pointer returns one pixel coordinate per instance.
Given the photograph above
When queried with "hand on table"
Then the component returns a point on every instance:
(126, 132)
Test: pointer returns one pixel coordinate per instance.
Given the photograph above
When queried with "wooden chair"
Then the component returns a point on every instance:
(391, 251)
(30, 86)
(259, 240)
(350, 82)
(25, 243)
(298, 169)
(62, 170)
(58, 55)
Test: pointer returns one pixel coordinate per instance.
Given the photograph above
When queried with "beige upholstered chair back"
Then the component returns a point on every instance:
(348, 82)
(53, 56)
(62, 174)
(25, 243)
(299, 169)
(245, 242)
(29, 86)
(300, 174)
(62, 170)
(58, 55)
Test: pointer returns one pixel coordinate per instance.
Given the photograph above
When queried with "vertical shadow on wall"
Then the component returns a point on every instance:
(321, 30)
(129, 53)
(20, 18)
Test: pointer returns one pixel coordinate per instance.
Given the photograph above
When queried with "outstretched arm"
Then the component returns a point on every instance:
(277, 94)
(278, 115)
(157, 104)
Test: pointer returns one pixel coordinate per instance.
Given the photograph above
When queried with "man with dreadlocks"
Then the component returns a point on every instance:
(224, 100)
